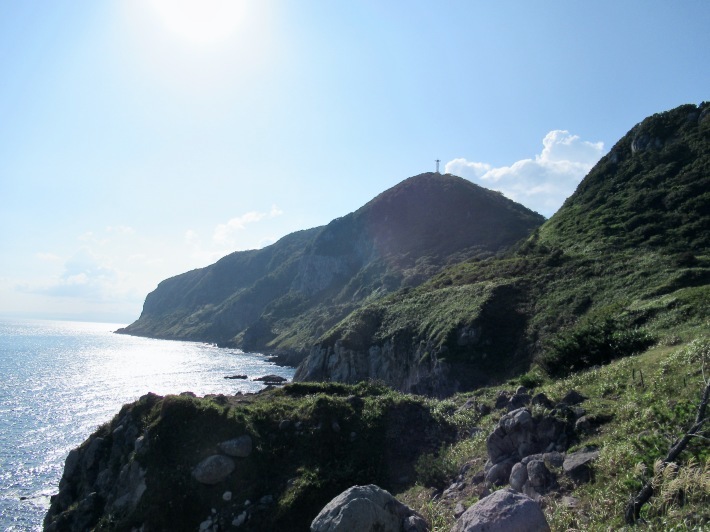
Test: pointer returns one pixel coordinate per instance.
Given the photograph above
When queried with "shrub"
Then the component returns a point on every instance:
(591, 344)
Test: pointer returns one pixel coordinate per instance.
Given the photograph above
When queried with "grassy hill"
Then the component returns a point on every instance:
(284, 296)
(622, 264)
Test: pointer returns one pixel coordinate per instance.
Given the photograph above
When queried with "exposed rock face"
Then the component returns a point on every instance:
(503, 511)
(103, 475)
(403, 370)
(367, 508)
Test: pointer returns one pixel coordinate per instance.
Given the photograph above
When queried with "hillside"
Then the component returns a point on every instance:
(623, 261)
(284, 296)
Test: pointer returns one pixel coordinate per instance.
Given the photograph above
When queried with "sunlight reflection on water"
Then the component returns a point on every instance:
(61, 380)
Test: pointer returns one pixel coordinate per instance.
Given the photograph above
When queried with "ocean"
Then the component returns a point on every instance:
(62, 380)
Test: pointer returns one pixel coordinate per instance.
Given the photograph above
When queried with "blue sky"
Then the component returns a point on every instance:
(143, 138)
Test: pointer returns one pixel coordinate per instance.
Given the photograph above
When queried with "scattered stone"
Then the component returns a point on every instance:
(367, 508)
(285, 424)
(577, 465)
(266, 500)
(542, 400)
(518, 401)
(238, 447)
(573, 397)
(503, 511)
(521, 390)
(583, 424)
(518, 476)
(483, 409)
(502, 400)
(499, 473)
(213, 469)
(235, 376)
(539, 477)
(570, 502)
(459, 509)
(240, 519)
(227, 496)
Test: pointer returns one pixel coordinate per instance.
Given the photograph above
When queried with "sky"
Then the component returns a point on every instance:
(140, 139)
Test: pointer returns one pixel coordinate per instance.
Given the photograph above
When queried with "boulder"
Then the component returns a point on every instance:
(503, 511)
(573, 397)
(542, 400)
(367, 508)
(577, 465)
(238, 447)
(213, 469)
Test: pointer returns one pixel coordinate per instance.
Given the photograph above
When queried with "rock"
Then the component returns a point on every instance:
(483, 409)
(235, 376)
(521, 390)
(367, 508)
(518, 476)
(227, 496)
(573, 397)
(238, 447)
(271, 379)
(502, 400)
(459, 509)
(553, 459)
(240, 519)
(519, 400)
(503, 511)
(284, 424)
(539, 477)
(583, 424)
(542, 400)
(577, 465)
(213, 469)
(499, 473)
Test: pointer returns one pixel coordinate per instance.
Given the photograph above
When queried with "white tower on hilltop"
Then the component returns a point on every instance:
(437, 166)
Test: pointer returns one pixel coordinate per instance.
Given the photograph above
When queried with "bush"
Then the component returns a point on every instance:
(593, 344)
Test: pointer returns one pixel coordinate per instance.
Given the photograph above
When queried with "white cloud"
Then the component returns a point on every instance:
(542, 183)
(224, 234)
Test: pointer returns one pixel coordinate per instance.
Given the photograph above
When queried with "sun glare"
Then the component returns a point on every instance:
(200, 21)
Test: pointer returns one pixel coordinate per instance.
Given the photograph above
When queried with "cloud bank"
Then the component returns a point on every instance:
(543, 183)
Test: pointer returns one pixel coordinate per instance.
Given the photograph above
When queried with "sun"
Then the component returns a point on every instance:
(200, 21)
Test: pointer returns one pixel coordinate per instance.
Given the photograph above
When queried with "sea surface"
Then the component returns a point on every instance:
(59, 381)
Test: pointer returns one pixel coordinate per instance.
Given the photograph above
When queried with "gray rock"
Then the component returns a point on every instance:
(238, 447)
(539, 477)
(573, 397)
(542, 400)
(577, 465)
(367, 508)
(518, 476)
(499, 473)
(519, 400)
(213, 469)
(503, 511)
(459, 510)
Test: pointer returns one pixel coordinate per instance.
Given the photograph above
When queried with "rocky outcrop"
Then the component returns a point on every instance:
(503, 511)
(406, 370)
(104, 475)
(367, 508)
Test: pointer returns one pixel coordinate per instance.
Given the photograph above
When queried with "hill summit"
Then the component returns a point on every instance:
(284, 296)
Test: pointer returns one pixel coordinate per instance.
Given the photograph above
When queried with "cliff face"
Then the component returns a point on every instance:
(635, 232)
(285, 296)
